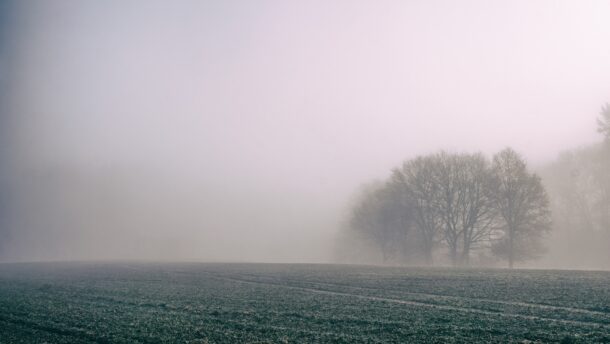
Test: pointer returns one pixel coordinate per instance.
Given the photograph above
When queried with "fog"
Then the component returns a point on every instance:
(240, 131)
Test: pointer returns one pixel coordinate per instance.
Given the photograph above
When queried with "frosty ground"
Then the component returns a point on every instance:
(278, 303)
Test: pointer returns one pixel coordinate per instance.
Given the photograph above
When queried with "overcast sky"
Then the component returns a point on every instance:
(283, 108)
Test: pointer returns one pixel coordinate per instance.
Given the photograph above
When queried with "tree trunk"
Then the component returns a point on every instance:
(466, 256)
(453, 253)
(511, 251)
(428, 254)
(466, 250)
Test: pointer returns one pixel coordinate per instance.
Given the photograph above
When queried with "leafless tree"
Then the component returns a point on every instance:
(578, 183)
(602, 170)
(603, 122)
(416, 179)
(464, 202)
(380, 218)
(523, 205)
(461, 201)
(451, 201)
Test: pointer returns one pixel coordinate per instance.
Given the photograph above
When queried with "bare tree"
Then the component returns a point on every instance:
(459, 200)
(381, 219)
(478, 213)
(446, 199)
(464, 202)
(602, 170)
(603, 122)
(578, 183)
(523, 205)
(416, 179)
(398, 213)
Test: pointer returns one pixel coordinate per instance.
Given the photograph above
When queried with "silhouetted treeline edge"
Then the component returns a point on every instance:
(465, 209)
(578, 182)
(451, 207)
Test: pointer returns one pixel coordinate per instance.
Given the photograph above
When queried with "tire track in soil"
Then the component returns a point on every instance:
(419, 303)
(56, 329)
(439, 296)
(453, 297)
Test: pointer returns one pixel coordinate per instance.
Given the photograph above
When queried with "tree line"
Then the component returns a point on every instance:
(451, 206)
(454, 209)
(578, 182)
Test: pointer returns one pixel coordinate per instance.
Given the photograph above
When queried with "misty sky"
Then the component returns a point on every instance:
(268, 115)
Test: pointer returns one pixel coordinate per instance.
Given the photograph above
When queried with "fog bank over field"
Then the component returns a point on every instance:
(240, 131)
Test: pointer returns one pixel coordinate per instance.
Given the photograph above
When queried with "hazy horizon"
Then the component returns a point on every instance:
(240, 131)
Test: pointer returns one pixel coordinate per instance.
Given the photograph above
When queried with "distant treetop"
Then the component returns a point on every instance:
(603, 122)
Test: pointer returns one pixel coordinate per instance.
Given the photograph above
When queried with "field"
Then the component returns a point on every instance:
(278, 303)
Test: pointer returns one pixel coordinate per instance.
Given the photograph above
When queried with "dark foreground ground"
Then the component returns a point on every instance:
(262, 303)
